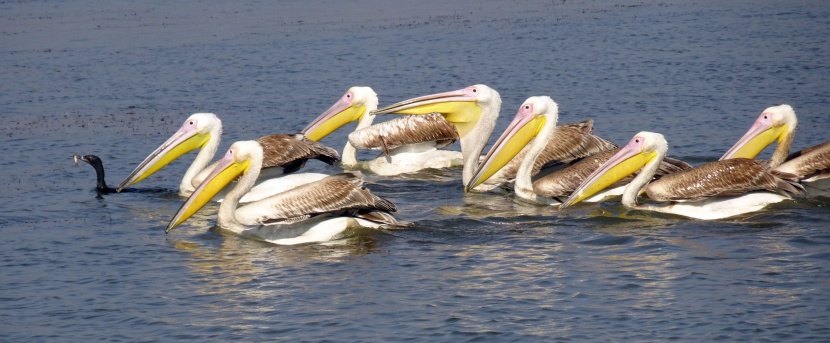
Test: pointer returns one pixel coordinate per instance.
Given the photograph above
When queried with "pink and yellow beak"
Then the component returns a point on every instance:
(627, 161)
(183, 141)
(524, 127)
(459, 107)
(344, 111)
(762, 133)
(227, 169)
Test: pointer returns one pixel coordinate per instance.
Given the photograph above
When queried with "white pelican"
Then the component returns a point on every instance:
(811, 166)
(535, 125)
(284, 154)
(314, 212)
(714, 190)
(411, 143)
(356, 105)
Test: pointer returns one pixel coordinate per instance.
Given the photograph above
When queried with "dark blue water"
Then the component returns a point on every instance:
(95, 77)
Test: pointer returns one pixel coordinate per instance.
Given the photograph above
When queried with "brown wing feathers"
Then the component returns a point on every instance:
(333, 194)
(292, 151)
(407, 129)
(720, 178)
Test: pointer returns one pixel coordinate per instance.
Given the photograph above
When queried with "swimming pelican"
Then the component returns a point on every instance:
(314, 212)
(811, 166)
(412, 143)
(356, 105)
(714, 190)
(535, 125)
(285, 153)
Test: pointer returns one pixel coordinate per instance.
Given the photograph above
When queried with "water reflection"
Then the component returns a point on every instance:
(251, 282)
(497, 208)
(228, 260)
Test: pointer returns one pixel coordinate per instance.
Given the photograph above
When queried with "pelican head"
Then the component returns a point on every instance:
(241, 157)
(464, 107)
(356, 104)
(645, 148)
(535, 114)
(777, 122)
(195, 133)
(472, 110)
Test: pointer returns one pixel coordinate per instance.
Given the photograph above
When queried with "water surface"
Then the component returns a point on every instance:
(113, 79)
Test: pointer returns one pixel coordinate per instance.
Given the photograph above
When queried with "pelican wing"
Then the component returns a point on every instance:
(720, 178)
(336, 194)
(571, 142)
(382, 217)
(812, 163)
(671, 165)
(408, 129)
(292, 151)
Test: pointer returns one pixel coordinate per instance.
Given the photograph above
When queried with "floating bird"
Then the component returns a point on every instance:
(413, 142)
(714, 190)
(284, 153)
(317, 211)
(356, 105)
(101, 188)
(535, 126)
(810, 166)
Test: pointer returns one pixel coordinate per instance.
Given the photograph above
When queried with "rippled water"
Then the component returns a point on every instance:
(95, 77)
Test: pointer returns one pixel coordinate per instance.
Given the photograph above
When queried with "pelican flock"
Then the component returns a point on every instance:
(714, 190)
(535, 126)
(536, 160)
(284, 153)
